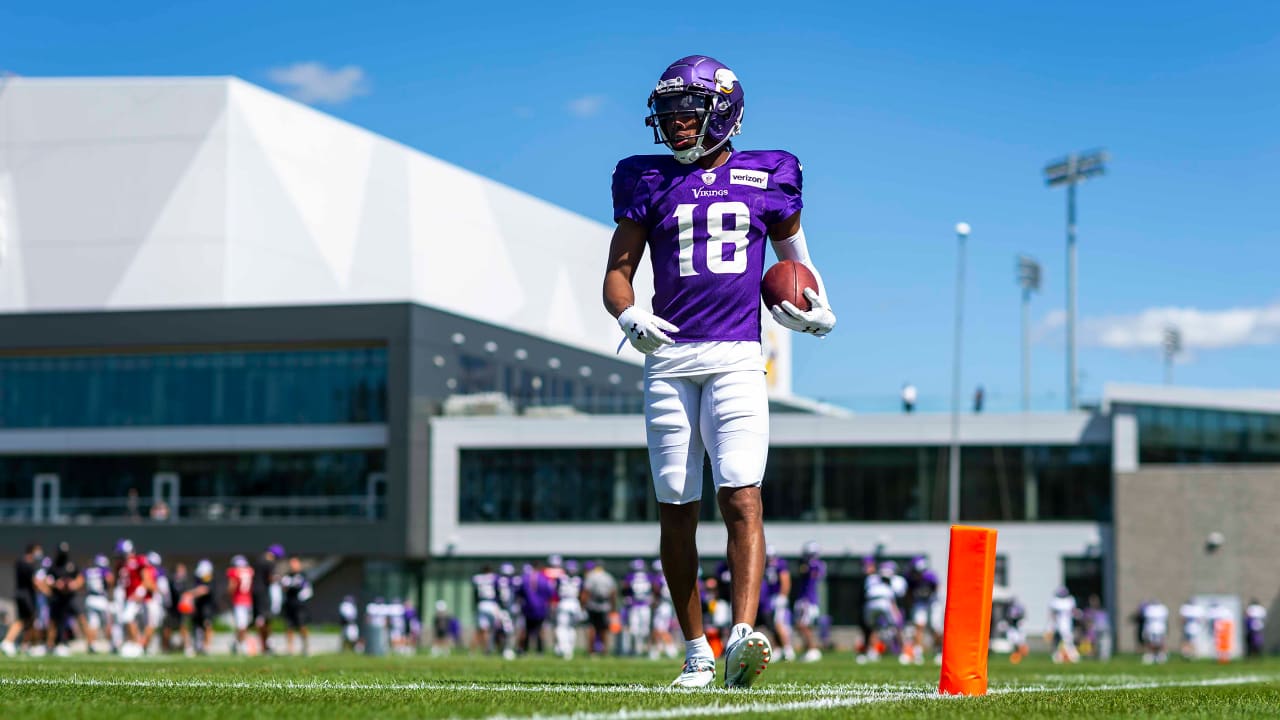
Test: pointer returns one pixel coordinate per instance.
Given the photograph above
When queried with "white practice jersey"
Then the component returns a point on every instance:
(1062, 610)
(879, 592)
(1155, 618)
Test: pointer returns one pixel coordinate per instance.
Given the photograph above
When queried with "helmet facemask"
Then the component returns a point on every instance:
(711, 113)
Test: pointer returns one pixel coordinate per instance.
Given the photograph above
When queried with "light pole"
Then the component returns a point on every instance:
(1070, 171)
(1172, 345)
(1029, 281)
(953, 476)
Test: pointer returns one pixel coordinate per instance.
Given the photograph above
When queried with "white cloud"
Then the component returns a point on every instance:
(1201, 329)
(586, 106)
(313, 82)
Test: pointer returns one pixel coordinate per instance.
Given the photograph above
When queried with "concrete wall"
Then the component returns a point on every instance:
(1163, 515)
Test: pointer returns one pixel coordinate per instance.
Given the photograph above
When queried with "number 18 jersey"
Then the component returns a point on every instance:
(707, 232)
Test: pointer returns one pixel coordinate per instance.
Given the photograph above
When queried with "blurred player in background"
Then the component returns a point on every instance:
(704, 212)
(1097, 624)
(922, 592)
(484, 592)
(138, 580)
(1014, 615)
(662, 642)
(1255, 625)
(21, 632)
(157, 605)
(297, 597)
(508, 586)
(203, 607)
(600, 599)
(637, 603)
(444, 630)
(775, 601)
(1155, 627)
(265, 587)
(349, 613)
(568, 610)
(882, 613)
(1193, 618)
(1062, 619)
(65, 582)
(97, 603)
(809, 579)
(538, 591)
(240, 596)
(175, 625)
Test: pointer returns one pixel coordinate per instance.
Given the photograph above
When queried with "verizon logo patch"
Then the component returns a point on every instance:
(754, 178)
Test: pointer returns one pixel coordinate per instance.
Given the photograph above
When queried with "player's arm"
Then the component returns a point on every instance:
(646, 332)
(788, 240)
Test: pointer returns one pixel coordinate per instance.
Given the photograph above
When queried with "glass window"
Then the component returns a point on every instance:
(884, 484)
(212, 487)
(246, 387)
(1184, 435)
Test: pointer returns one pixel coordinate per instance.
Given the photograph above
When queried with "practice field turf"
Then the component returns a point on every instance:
(596, 689)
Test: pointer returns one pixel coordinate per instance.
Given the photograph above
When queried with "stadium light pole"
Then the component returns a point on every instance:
(1070, 171)
(1172, 344)
(1029, 281)
(953, 467)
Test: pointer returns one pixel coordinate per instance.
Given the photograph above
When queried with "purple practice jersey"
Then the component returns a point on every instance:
(771, 584)
(812, 572)
(707, 232)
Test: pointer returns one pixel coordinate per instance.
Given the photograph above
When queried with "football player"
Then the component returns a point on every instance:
(661, 641)
(97, 606)
(138, 580)
(240, 593)
(484, 585)
(1062, 618)
(568, 609)
(704, 212)
(807, 611)
(1155, 627)
(775, 600)
(637, 602)
(922, 589)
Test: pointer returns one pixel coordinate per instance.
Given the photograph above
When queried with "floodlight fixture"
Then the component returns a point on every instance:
(1070, 171)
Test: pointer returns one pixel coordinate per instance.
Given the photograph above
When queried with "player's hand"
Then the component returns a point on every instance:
(646, 331)
(817, 321)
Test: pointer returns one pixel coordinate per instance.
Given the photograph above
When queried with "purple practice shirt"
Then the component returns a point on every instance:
(707, 232)
(771, 586)
(811, 575)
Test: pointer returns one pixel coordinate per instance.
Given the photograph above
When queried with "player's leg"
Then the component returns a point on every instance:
(675, 458)
(735, 428)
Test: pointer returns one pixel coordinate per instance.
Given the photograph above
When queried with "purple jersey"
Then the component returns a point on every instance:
(922, 586)
(707, 232)
(811, 574)
(771, 585)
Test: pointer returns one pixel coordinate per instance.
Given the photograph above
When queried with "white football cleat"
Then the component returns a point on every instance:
(745, 659)
(811, 655)
(697, 672)
(8, 648)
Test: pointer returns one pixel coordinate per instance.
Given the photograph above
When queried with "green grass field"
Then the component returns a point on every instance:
(601, 689)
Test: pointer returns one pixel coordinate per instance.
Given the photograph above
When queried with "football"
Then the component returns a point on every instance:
(786, 280)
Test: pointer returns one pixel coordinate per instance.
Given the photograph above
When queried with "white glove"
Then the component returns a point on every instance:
(817, 321)
(645, 330)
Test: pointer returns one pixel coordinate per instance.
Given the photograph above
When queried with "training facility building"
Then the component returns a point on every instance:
(227, 320)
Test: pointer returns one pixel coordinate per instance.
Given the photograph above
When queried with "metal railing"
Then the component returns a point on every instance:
(211, 510)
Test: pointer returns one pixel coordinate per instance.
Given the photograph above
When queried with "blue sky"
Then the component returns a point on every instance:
(908, 117)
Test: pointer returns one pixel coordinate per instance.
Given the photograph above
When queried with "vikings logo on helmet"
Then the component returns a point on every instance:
(702, 88)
